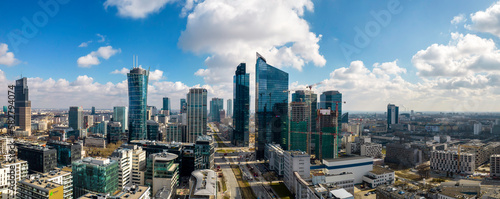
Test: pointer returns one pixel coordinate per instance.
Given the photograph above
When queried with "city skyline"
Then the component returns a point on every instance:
(395, 65)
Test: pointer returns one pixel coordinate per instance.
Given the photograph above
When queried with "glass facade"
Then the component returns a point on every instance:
(114, 132)
(392, 115)
(229, 105)
(66, 152)
(271, 101)
(75, 117)
(241, 96)
(95, 175)
(196, 113)
(204, 152)
(153, 130)
(183, 106)
(216, 105)
(137, 92)
(120, 114)
(331, 99)
(22, 105)
(166, 104)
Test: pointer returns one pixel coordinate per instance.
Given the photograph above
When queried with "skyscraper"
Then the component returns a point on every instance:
(241, 116)
(271, 105)
(93, 110)
(392, 115)
(183, 106)
(309, 97)
(166, 104)
(303, 120)
(196, 113)
(120, 114)
(138, 98)
(75, 117)
(229, 105)
(22, 105)
(216, 105)
(332, 100)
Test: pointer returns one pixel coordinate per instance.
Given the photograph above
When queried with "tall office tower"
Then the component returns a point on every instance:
(66, 152)
(114, 132)
(392, 115)
(229, 105)
(204, 153)
(271, 105)
(196, 113)
(333, 101)
(93, 111)
(326, 142)
(166, 104)
(40, 159)
(75, 117)
(94, 175)
(241, 116)
(88, 121)
(120, 114)
(153, 130)
(216, 105)
(162, 171)
(303, 120)
(124, 158)
(138, 98)
(22, 105)
(183, 106)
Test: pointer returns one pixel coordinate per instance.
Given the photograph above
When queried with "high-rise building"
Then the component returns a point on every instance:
(309, 98)
(241, 116)
(216, 105)
(138, 164)
(120, 114)
(326, 141)
(94, 175)
(40, 159)
(303, 120)
(271, 105)
(75, 117)
(88, 121)
(162, 171)
(66, 152)
(22, 105)
(174, 132)
(114, 132)
(196, 113)
(138, 98)
(19, 169)
(204, 152)
(124, 158)
(93, 111)
(392, 115)
(183, 106)
(166, 104)
(229, 105)
(332, 100)
(153, 129)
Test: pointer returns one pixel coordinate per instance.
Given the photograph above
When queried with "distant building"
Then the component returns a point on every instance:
(448, 161)
(392, 115)
(241, 116)
(40, 159)
(98, 175)
(22, 105)
(66, 152)
(138, 98)
(75, 117)
(196, 113)
(229, 105)
(162, 172)
(99, 142)
(174, 132)
(88, 121)
(114, 132)
(166, 104)
(153, 129)
(183, 106)
(478, 127)
(204, 152)
(379, 176)
(403, 154)
(216, 105)
(271, 106)
(120, 114)
(203, 184)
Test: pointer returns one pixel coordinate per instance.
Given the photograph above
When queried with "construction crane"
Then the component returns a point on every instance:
(312, 85)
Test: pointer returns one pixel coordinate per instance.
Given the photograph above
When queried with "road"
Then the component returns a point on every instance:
(232, 183)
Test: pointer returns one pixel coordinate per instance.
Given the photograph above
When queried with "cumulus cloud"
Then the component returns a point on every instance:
(487, 21)
(136, 9)
(7, 58)
(464, 55)
(93, 57)
(102, 38)
(85, 44)
(231, 31)
(458, 19)
(123, 71)
(155, 75)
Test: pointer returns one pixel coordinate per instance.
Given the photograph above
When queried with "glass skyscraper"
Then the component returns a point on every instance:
(241, 116)
(392, 115)
(332, 100)
(75, 117)
(166, 104)
(196, 113)
(229, 105)
(216, 105)
(22, 105)
(303, 120)
(120, 114)
(138, 98)
(271, 105)
(183, 106)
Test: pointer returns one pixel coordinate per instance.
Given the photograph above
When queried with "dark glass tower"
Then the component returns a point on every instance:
(75, 117)
(271, 105)
(22, 105)
(241, 115)
(183, 106)
(332, 100)
(303, 120)
(166, 104)
(392, 115)
(138, 97)
(216, 105)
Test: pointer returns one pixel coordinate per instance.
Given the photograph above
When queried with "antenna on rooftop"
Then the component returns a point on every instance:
(133, 61)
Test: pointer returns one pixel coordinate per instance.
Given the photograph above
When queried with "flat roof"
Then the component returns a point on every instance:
(205, 183)
(377, 170)
(347, 158)
(341, 193)
(129, 192)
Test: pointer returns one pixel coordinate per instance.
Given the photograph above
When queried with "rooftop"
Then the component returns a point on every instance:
(347, 159)
(129, 192)
(205, 183)
(96, 161)
(164, 156)
(377, 170)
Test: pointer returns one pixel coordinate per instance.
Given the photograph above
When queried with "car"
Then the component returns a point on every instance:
(367, 194)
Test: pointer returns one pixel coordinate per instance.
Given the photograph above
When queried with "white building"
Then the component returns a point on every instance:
(20, 172)
(124, 158)
(129, 192)
(274, 153)
(477, 128)
(203, 184)
(358, 166)
(495, 165)
(341, 194)
(138, 164)
(371, 150)
(379, 176)
(295, 161)
(344, 180)
(448, 161)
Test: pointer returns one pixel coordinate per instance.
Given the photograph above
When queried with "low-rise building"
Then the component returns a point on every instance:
(202, 184)
(451, 161)
(373, 150)
(274, 153)
(495, 166)
(462, 186)
(31, 184)
(379, 176)
(295, 161)
(35, 188)
(357, 165)
(128, 192)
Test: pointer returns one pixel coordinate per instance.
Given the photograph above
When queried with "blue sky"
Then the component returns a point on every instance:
(192, 43)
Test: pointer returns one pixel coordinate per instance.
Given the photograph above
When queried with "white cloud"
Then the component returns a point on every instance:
(458, 19)
(155, 75)
(7, 58)
(464, 55)
(85, 44)
(93, 57)
(102, 38)
(231, 31)
(137, 9)
(123, 71)
(487, 21)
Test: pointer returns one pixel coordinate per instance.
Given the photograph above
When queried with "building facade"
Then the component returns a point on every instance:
(216, 105)
(196, 113)
(40, 159)
(66, 152)
(204, 152)
(120, 114)
(75, 117)
(229, 105)
(166, 104)
(22, 105)
(271, 105)
(153, 129)
(241, 116)
(124, 158)
(392, 115)
(94, 175)
(138, 98)
(162, 171)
